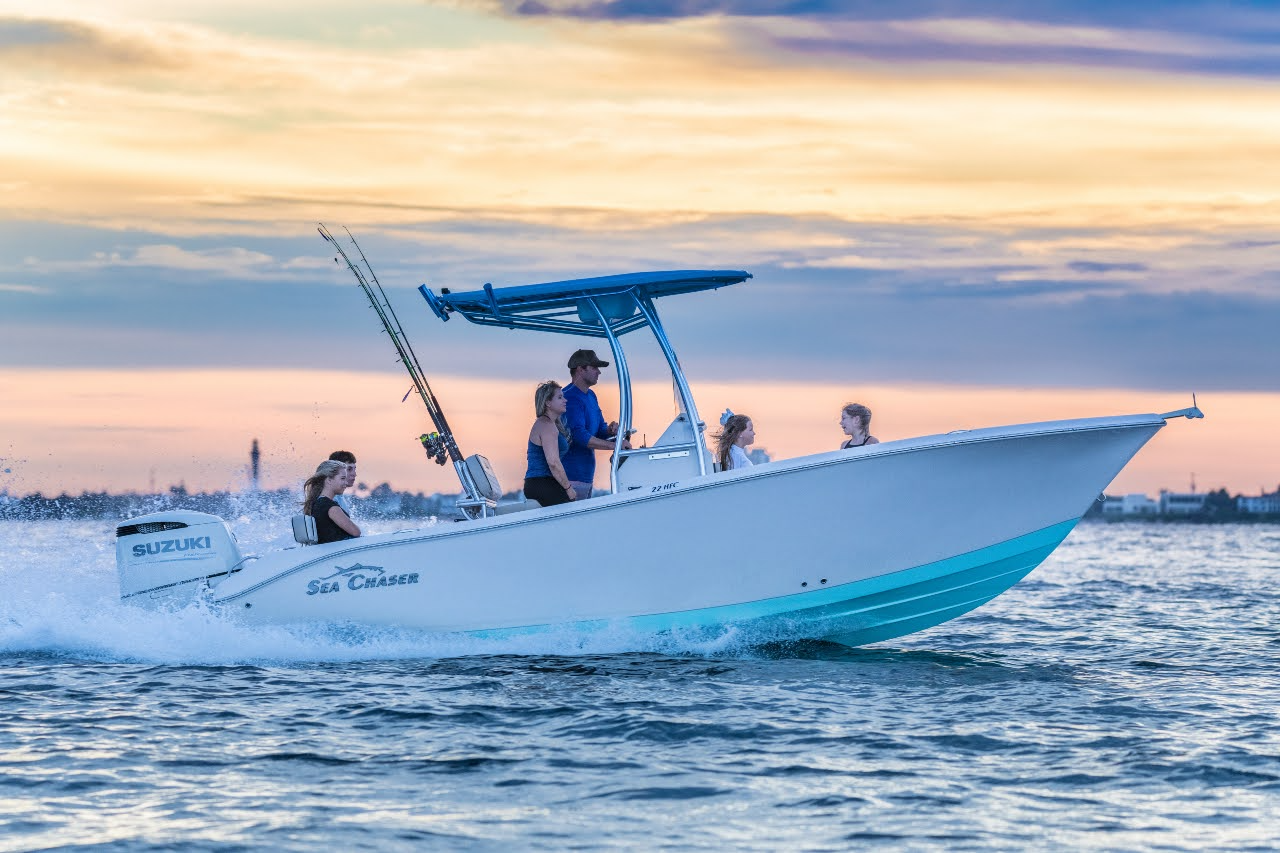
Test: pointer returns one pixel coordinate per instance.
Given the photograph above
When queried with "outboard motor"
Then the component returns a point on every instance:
(166, 558)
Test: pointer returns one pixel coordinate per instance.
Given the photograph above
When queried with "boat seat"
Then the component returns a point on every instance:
(482, 475)
(304, 530)
(504, 509)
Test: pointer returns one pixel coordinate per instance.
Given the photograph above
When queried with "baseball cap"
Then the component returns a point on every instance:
(585, 357)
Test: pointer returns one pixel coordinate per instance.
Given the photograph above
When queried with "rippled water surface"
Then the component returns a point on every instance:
(1123, 696)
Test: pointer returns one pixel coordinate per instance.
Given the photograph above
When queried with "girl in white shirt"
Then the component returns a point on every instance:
(731, 442)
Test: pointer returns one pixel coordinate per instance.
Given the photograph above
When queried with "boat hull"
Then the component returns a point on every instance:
(853, 546)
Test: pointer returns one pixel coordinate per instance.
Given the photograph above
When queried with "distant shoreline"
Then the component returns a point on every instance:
(383, 502)
(1240, 518)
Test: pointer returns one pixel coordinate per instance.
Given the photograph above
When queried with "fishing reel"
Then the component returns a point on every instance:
(435, 445)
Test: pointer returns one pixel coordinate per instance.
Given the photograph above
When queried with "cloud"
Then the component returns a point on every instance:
(211, 130)
(1105, 267)
(987, 337)
(942, 304)
(1189, 15)
(230, 260)
(1137, 51)
(22, 288)
(1190, 36)
(224, 262)
(67, 45)
(998, 288)
(157, 199)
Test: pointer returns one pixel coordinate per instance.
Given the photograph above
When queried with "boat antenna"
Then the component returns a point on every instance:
(440, 445)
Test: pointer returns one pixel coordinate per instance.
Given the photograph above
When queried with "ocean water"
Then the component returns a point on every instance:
(1124, 696)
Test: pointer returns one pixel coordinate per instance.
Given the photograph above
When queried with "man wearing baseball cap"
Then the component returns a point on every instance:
(587, 428)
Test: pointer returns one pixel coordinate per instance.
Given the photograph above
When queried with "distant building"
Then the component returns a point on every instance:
(1181, 503)
(1129, 505)
(1261, 505)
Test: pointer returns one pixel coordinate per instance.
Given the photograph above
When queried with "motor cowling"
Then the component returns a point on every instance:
(166, 558)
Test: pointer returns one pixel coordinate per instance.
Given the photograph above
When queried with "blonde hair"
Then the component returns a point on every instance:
(861, 412)
(733, 427)
(315, 483)
(541, 397)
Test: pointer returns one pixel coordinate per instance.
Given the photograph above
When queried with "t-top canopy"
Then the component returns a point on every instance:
(575, 306)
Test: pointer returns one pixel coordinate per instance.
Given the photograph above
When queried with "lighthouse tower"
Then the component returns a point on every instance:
(254, 457)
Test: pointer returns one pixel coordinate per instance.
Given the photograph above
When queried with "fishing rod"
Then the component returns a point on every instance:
(440, 444)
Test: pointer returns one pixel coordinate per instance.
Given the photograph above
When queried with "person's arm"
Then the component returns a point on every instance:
(340, 518)
(548, 438)
(606, 432)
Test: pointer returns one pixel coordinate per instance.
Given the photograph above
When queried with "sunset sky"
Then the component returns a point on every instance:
(960, 213)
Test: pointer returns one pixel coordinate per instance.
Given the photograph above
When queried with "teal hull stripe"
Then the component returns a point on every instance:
(865, 611)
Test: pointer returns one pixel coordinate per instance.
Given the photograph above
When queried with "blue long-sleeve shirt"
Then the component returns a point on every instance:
(582, 416)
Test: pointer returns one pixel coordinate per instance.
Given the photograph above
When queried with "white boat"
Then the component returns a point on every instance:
(876, 542)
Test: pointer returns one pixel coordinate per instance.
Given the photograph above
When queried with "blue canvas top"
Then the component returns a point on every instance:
(564, 306)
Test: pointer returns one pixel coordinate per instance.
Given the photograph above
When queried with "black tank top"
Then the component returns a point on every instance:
(326, 530)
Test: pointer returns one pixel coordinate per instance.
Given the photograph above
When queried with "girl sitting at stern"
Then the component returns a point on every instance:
(332, 522)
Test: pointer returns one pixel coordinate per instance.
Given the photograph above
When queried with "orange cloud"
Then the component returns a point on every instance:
(184, 125)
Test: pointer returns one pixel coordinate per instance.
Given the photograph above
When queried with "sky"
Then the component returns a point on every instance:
(959, 213)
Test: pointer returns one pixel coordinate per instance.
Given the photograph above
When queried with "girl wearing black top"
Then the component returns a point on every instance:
(855, 422)
(332, 523)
